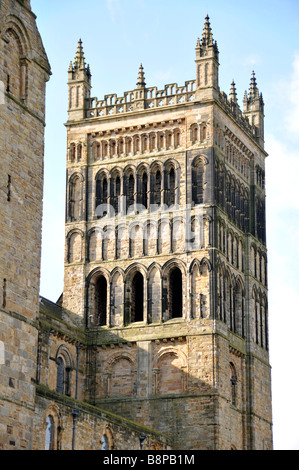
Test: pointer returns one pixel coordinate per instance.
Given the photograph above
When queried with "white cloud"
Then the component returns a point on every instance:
(290, 92)
(251, 60)
(113, 7)
(282, 173)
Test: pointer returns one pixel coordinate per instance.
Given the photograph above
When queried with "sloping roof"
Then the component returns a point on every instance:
(50, 308)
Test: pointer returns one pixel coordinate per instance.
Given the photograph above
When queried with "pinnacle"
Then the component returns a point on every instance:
(141, 77)
(207, 36)
(253, 90)
(233, 92)
(79, 59)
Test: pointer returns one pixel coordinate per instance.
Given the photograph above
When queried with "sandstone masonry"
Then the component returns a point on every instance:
(160, 338)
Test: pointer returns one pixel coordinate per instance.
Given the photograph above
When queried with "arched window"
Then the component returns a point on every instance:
(101, 191)
(144, 190)
(104, 443)
(49, 441)
(170, 186)
(75, 191)
(157, 187)
(101, 301)
(194, 133)
(197, 181)
(63, 378)
(238, 316)
(75, 247)
(175, 293)
(177, 138)
(154, 291)
(79, 152)
(15, 64)
(137, 298)
(72, 152)
(233, 382)
(130, 191)
(203, 132)
(115, 193)
(60, 375)
(116, 315)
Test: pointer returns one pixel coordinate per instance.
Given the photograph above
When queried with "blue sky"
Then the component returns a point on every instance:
(262, 36)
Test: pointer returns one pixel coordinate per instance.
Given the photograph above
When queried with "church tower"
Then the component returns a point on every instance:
(165, 258)
(24, 71)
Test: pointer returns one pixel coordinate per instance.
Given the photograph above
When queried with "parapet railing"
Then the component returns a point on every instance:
(141, 98)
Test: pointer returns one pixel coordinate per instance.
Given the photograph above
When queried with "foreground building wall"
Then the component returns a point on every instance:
(24, 71)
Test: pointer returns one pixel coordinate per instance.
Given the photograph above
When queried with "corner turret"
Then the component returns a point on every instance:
(253, 109)
(207, 63)
(79, 83)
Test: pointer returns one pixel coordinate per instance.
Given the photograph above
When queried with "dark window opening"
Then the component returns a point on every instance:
(197, 183)
(175, 293)
(130, 191)
(157, 188)
(101, 194)
(115, 194)
(137, 298)
(170, 187)
(101, 301)
(8, 83)
(60, 376)
(144, 190)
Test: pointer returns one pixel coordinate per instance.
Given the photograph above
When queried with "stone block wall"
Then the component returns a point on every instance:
(24, 71)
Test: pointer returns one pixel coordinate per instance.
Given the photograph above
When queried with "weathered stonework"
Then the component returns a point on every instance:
(161, 332)
(24, 71)
(197, 360)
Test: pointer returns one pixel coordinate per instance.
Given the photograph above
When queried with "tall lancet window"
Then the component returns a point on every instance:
(49, 441)
(101, 301)
(197, 181)
(175, 293)
(137, 298)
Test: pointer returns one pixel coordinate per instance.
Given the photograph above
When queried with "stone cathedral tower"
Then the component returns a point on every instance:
(166, 260)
